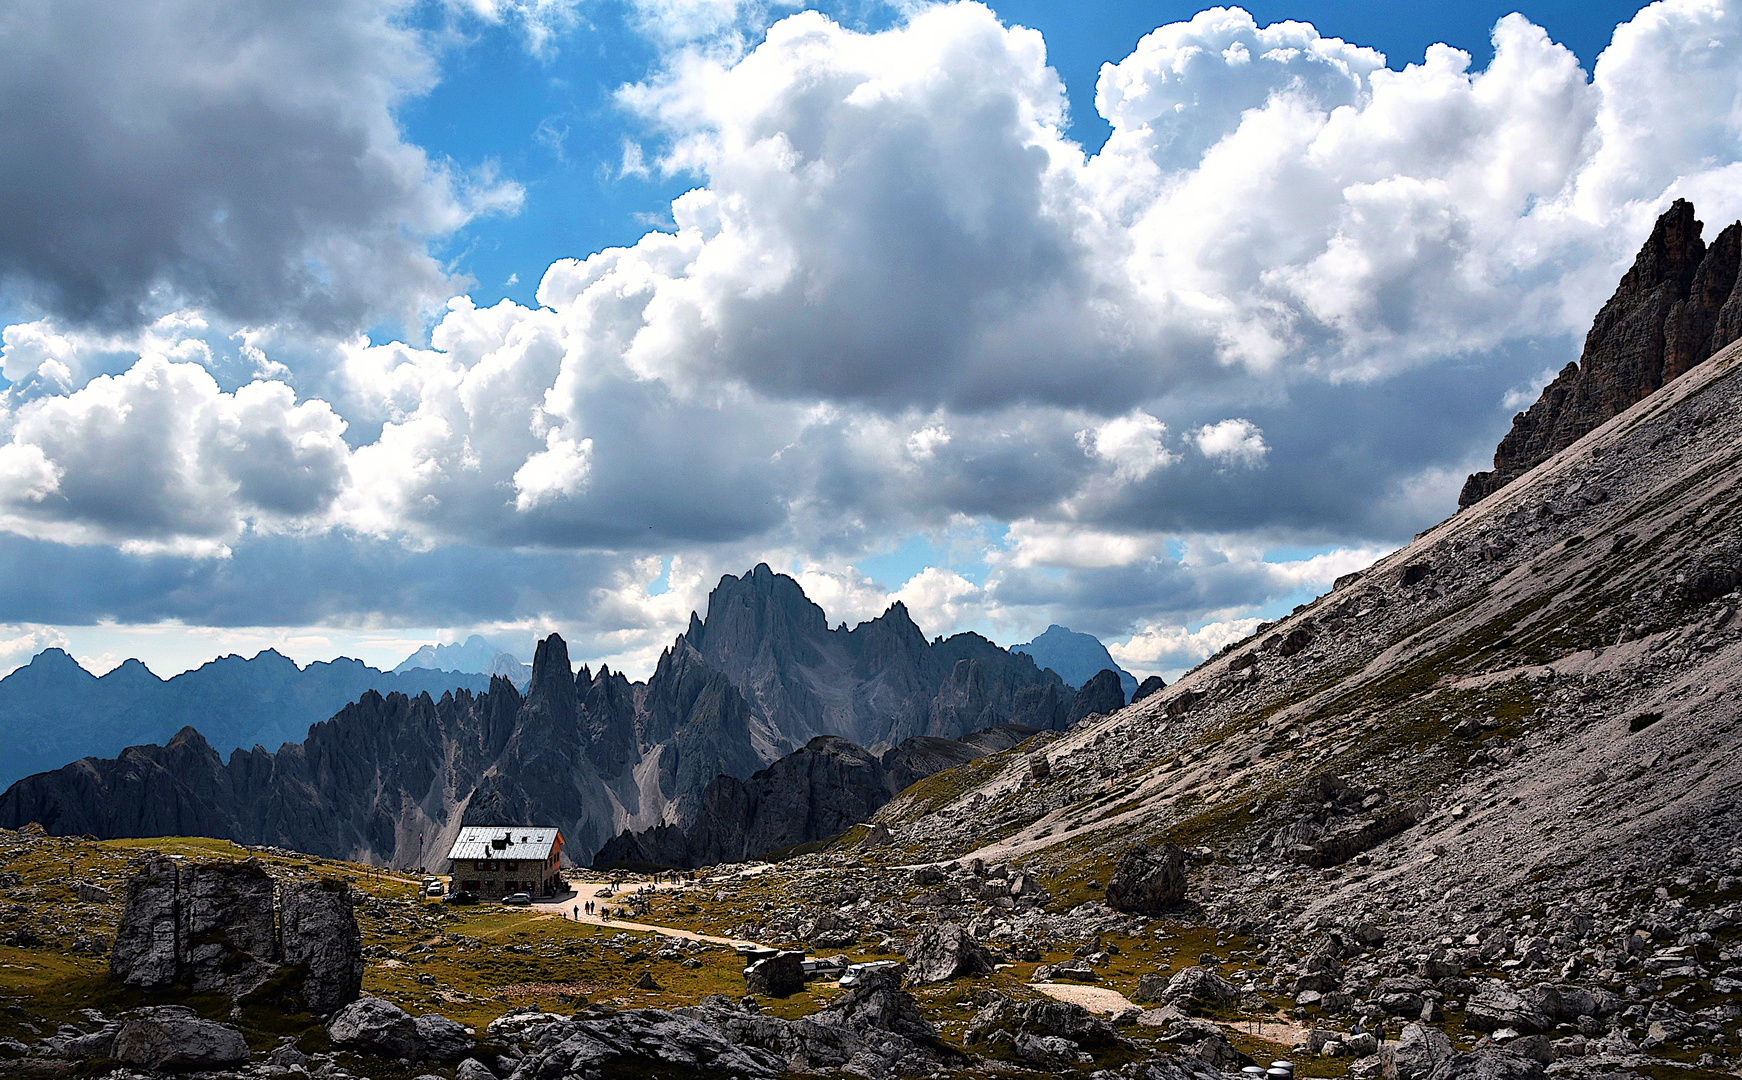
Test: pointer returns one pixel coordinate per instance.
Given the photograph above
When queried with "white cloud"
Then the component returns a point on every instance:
(1232, 442)
(158, 458)
(1159, 648)
(1131, 444)
(559, 470)
(1060, 544)
(943, 602)
(21, 641)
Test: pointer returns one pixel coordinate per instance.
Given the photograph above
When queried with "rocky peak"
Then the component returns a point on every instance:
(52, 666)
(552, 689)
(1675, 307)
(758, 612)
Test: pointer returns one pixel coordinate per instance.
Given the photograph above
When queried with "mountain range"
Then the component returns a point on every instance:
(53, 711)
(391, 777)
(474, 655)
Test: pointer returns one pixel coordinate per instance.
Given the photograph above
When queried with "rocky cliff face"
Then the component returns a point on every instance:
(823, 788)
(392, 778)
(1677, 306)
(874, 685)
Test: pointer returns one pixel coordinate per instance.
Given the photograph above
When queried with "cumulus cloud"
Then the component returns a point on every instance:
(20, 642)
(1131, 444)
(1232, 442)
(1157, 648)
(239, 158)
(897, 298)
(159, 458)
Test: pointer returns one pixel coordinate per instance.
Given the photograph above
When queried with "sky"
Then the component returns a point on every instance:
(350, 326)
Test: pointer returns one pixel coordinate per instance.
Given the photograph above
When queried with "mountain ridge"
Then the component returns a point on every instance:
(52, 710)
(593, 751)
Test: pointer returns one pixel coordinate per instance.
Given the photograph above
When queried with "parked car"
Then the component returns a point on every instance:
(460, 896)
(518, 899)
(434, 888)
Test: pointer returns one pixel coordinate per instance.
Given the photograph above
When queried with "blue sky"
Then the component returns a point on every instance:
(511, 316)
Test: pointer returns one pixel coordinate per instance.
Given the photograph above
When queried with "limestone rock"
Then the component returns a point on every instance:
(441, 1039)
(944, 952)
(373, 1026)
(1148, 880)
(1673, 309)
(172, 1037)
(781, 975)
(319, 933)
(1199, 987)
(224, 926)
(145, 953)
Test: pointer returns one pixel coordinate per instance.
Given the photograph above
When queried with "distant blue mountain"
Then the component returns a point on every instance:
(1076, 658)
(52, 711)
(475, 655)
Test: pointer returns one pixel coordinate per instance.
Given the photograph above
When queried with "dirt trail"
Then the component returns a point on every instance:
(573, 908)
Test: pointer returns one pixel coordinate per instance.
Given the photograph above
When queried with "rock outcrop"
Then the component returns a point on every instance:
(175, 1038)
(944, 952)
(211, 926)
(1677, 306)
(392, 778)
(1102, 695)
(819, 790)
(1148, 880)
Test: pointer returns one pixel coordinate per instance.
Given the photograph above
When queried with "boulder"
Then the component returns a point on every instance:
(319, 933)
(944, 952)
(781, 975)
(1148, 880)
(441, 1039)
(373, 1026)
(1150, 988)
(473, 1069)
(1198, 988)
(171, 1037)
(1418, 1051)
(878, 1003)
(145, 953)
(224, 926)
(1495, 1006)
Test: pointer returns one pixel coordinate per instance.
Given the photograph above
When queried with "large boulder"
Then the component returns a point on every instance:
(1148, 880)
(225, 925)
(1418, 1051)
(319, 933)
(780, 975)
(1199, 988)
(944, 952)
(145, 953)
(878, 1003)
(1495, 1006)
(441, 1039)
(373, 1026)
(211, 926)
(173, 1037)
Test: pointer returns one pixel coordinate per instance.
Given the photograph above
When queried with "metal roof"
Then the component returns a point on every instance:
(524, 842)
